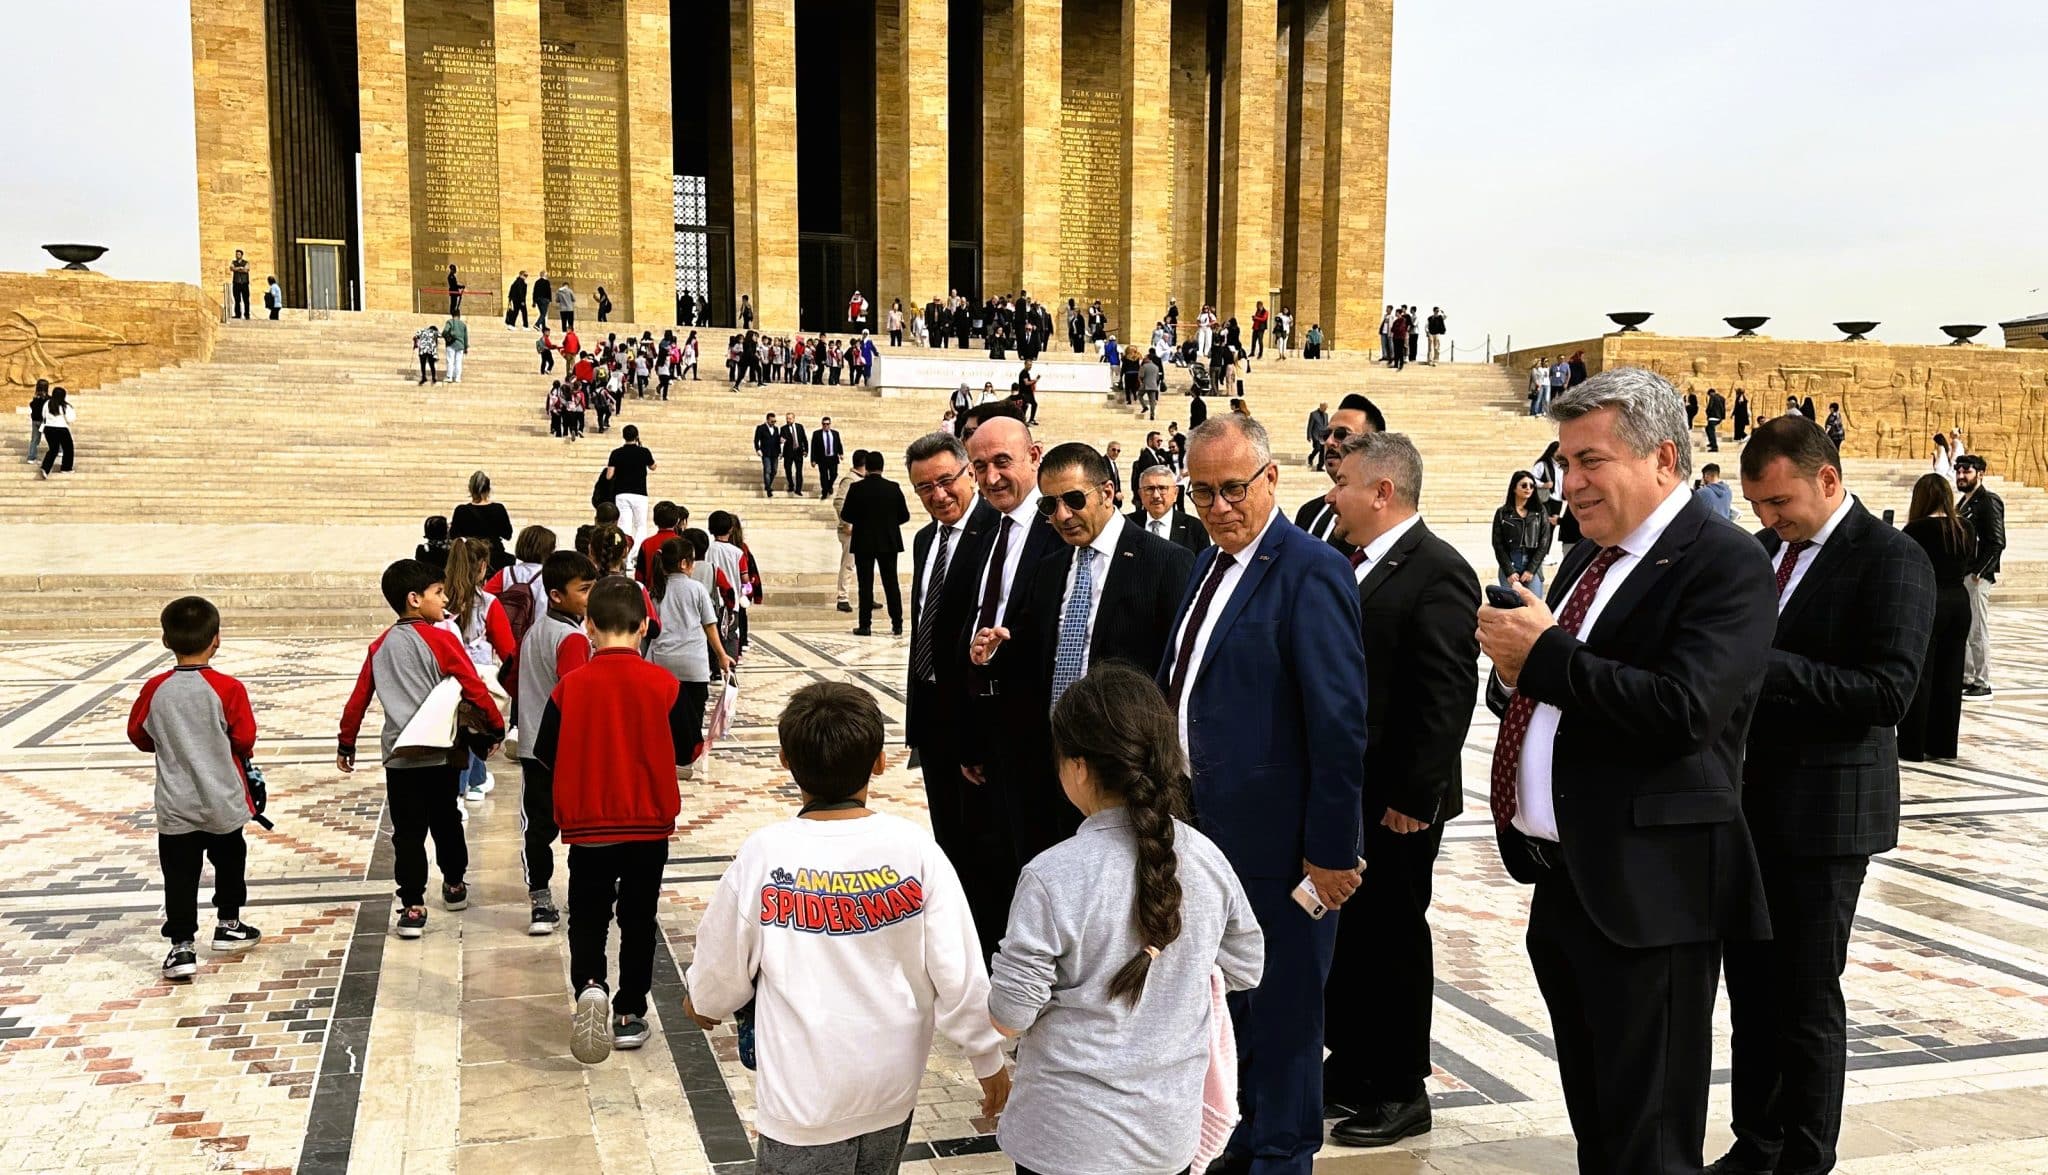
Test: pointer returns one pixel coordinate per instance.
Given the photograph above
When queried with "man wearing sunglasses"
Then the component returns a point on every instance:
(1354, 415)
(1109, 594)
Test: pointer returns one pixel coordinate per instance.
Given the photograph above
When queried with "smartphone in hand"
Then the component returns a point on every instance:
(1501, 597)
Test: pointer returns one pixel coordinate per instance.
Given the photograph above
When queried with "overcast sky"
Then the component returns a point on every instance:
(1812, 160)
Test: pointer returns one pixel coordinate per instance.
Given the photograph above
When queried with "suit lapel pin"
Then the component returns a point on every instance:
(1663, 562)
(1265, 558)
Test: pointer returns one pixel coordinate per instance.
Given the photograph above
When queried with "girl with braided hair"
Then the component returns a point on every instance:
(1113, 936)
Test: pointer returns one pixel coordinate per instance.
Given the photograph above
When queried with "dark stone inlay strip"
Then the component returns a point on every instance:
(1949, 948)
(337, 1091)
(1495, 1019)
(1485, 1085)
(74, 714)
(1933, 874)
(718, 1120)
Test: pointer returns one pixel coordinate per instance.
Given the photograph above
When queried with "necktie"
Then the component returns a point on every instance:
(1790, 561)
(1196, 615)
(1159, 527)
(1071, 659)
(924, 642)
(992, 591)
(1357, 557)
(1514, 725)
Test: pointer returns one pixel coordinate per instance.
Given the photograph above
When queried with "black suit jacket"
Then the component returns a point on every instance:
(923, 726)
(1646, 764)
(1822, 775)
(1181, 527)
(1319, 518)
(993, 683)
(1146, 459)
(876, 511)
(1422, 676)
(818, 445)
(767, 440)
(1984, 512)
(795, 442)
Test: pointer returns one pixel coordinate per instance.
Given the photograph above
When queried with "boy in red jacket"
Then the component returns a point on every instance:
(615, 734)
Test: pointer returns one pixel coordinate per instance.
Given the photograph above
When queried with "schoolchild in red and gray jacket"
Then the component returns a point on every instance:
(198, 723)
(615, 734)
(421, 784)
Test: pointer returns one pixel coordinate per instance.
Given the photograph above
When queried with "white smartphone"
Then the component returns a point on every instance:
(1306, 897)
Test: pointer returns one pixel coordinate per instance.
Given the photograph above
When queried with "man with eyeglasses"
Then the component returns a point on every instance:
(825, 450)
(1267, 671)
(1109, 594)
(1158, 495)
(946, 553)
(1355, 414)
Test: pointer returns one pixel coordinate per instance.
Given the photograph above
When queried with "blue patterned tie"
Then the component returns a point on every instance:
(1071, 660)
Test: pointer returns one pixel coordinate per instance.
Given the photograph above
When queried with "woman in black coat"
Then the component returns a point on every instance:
(1740, 414)
(1929, 729)
(1521, 534)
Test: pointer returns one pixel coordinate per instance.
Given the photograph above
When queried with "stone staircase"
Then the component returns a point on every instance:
(303, 426)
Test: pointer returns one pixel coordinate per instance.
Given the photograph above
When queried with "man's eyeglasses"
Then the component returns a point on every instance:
(926, 489)
(1075, 500)
(1340, 434)
(1232, 492)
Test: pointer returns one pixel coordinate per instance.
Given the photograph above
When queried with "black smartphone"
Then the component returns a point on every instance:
(1501, 597)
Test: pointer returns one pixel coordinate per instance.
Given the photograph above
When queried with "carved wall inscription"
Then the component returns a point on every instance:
(452, 122)
(583, 146)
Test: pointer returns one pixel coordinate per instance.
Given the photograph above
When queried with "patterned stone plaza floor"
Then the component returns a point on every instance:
(332, 1047)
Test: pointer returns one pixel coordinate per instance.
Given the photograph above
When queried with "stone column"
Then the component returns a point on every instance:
(1188, 162)
(231, 108)
(771, 151)
(1147, 193)
(913, 218)
(522, 212)
(744, 278)
(892, 159)
(1361, 40)
(650, 167)
(1244, 238)
(1301, 271)
(1037, 32)
(999, 153)
(387, 158)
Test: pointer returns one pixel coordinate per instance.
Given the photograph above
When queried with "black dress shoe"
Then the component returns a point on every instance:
(1735, 1164)
(1383, 1123)
(863, 632)
(845, 607)
(896, 630)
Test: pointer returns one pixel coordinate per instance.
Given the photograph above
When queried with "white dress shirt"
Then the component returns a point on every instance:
(1022, 519)
(1377, 549)
(1161, 526)
(1535, 811)
(1217, 603)
(1104, 547)
(931, 554)
(1806, 557)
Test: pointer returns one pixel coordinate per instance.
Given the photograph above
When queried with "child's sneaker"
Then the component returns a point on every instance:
(182, 962)
(455, 895)
(590, 1028)
(545, 916)
(412, 922)
(474, 795)
(629, 1033)
(235, 936)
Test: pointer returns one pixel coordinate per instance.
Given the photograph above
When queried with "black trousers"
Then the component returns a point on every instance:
(967, 824)
(1933, 721)
(1634, 1028)
(241, 309)
(828, 474)
(568, 319)
(57, 447)
(537, 831)
(696, 695)
(423, 800)
(180, 857)
(1713, 440)
(619, 882)
(1376, 1007)
(1791, 1038)
(427, 369)
(867, 565)
(516, 311)
(793, 472)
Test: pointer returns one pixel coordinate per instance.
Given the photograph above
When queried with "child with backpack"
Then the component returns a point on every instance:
(198, 723)
(479, 621)
(848, 930)
(552, 648)
(403, 666)
(614, 737)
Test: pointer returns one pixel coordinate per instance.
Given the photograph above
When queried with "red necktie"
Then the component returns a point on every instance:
(1514, 725)
(1357, 557)
(1790, 561)
(1196, 615)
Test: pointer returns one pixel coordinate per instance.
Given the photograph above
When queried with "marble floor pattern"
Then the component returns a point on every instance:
(332, 1047)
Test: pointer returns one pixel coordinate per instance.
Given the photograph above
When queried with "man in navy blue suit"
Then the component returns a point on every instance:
(1266, 669)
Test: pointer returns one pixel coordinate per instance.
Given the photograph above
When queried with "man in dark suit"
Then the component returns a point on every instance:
(1109, 595)
(796, 445)
(1355, 414)
(1984, 513)
(1154, 453)
(947, 551)
(826, 449)
(1616, 773)
(768, 447)
(1820, 784)
(876, 511)
(1159, 511)
(1416, 598)
(1265, 669)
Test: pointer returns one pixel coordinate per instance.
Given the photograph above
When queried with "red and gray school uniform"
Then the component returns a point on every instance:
(613, 735)
(402, 668)
(198, 724)
(552, 648)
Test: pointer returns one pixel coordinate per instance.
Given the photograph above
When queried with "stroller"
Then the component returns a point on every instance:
(1204, 383)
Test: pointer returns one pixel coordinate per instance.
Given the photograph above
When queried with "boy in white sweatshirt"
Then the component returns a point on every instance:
(849, 930)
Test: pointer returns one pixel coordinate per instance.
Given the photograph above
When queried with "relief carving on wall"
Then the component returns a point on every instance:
(34, 347)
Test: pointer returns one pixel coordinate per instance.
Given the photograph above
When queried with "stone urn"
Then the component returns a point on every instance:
(1857, 332)
(1745, 324)
(1962, 333)
(75, 256)
(1629, 320)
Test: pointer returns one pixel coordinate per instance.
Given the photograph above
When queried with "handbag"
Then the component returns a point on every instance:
(722, 712)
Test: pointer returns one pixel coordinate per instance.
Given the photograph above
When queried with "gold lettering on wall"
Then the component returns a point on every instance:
(452, 123)
(1091, 160)
(583, 145)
